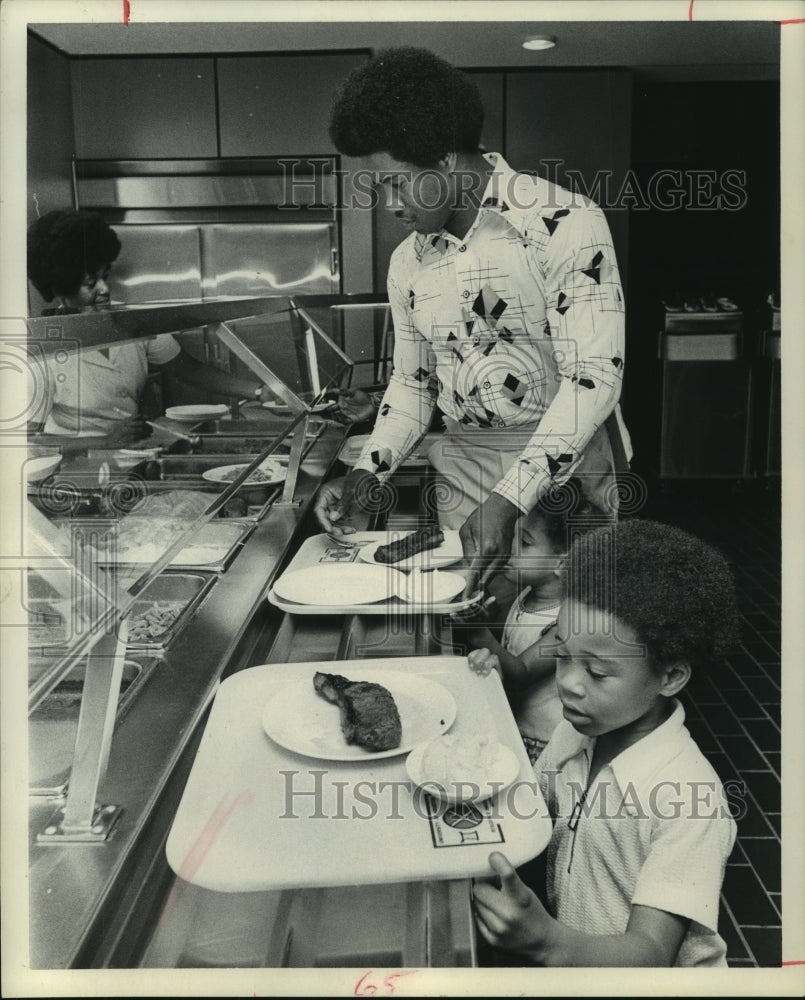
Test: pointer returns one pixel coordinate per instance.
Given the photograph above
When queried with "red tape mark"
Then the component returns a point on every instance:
(793, 20)
(793, 963)
(690, 10)
(206, 838)
(126, 11)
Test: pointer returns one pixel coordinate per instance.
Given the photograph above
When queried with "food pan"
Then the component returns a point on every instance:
(212, 547)
(169, 601)
(164, 608)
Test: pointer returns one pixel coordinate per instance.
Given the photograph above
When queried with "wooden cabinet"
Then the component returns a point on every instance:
(144, 108)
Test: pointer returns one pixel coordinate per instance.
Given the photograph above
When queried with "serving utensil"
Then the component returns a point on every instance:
(192, 438)
(337, 540)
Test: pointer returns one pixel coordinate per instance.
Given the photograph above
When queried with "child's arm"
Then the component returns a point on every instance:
(513, 918)
(517, 671)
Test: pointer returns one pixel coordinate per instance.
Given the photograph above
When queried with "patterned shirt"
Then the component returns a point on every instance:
(520, 324)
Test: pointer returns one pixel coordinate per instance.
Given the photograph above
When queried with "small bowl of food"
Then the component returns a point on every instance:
(459, 767)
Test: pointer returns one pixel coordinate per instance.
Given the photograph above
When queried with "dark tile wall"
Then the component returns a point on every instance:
(735, 715)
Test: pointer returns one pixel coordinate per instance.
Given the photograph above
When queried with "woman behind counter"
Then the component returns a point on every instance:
(93, 399)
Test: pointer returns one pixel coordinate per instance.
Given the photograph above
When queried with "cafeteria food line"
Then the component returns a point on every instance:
(197, 611)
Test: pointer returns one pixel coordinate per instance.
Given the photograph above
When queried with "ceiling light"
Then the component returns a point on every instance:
(539, 42)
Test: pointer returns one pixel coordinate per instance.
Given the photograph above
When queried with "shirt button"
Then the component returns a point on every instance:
(466, 294)
(462, 248)
(476, 341)
(487, 385)
(501, 423)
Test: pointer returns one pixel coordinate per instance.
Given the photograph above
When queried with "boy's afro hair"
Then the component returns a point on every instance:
(409, 103)
(674, 590)
(64, 246)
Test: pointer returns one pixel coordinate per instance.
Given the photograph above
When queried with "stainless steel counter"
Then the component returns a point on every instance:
(70, 885)
(116, 904)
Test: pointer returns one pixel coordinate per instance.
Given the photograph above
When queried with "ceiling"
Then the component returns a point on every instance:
(718, 50)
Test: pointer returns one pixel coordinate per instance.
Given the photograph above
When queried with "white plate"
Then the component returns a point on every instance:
(272, 468)
(448, 552)
(301, 720)
(435, 587)
(338, 585)
(37, 469)
(502, 773)
(197, 411)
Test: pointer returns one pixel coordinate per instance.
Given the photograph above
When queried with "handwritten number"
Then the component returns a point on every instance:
(388, 981)
(367, 989)
(364, 991)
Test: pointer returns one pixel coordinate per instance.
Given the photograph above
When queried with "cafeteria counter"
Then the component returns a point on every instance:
(119, 905)
(80, 891)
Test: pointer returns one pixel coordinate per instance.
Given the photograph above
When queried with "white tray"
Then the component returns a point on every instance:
(318, 552)
(248, 819)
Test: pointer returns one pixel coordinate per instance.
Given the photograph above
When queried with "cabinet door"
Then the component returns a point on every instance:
(582, 119)
(144, 108)
(279, 105)
(706, 419)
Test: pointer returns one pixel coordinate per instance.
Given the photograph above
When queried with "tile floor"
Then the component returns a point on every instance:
(736, 717)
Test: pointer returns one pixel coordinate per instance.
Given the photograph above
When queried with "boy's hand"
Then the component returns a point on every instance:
(511, 917)
(483, 662)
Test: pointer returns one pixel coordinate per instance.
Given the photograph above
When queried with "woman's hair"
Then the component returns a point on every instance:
(64, 246)
(409, 103)
(674, 590)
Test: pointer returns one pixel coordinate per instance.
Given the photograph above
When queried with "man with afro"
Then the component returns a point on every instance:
(642, 824)
(507, 310)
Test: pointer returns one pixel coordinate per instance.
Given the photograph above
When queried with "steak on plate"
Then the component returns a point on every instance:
(410, 545)
(369, 716)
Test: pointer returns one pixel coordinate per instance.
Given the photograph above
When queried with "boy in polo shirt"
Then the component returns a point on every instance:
(642, 827)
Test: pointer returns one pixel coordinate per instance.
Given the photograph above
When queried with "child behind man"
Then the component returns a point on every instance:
(642, 828)
(527, 670)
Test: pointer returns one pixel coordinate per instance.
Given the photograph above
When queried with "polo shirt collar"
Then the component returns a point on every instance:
(638, 762)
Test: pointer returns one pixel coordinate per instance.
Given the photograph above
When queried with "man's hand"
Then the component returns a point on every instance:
(486, 537)
(355, 406)
(510, 917)
(349, 499)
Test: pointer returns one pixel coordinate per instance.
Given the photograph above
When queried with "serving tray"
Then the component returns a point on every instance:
(319, 552)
